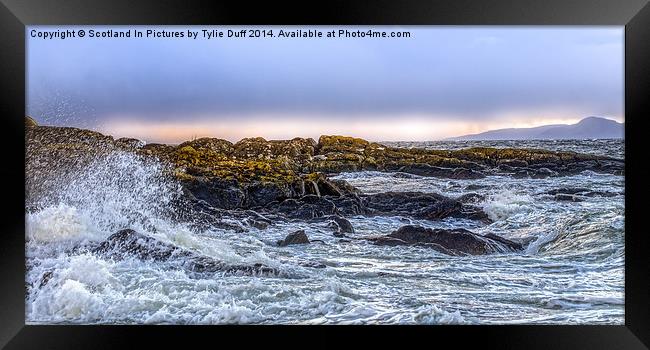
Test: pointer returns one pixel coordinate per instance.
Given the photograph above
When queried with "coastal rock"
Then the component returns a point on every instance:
(256, 173)
(470, 198)
(260, 225)
(474, 187)
(129, 143)
(341, 144)
(219, 193)
(262, 193)
(340, 225)
(298, 151)
(211, 147)
(453, 242)
(435, 171)
(430, 206)
(577, 194)
(128, 243)
(304, 208)
(586, 192)
(344, 224)
(298, 237)
(567, 197)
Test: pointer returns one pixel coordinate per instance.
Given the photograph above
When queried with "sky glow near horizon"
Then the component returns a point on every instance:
(443, 81)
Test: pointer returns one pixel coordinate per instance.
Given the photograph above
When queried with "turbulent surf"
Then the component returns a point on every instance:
(346, 232)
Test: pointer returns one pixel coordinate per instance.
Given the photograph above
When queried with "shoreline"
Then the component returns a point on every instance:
(286, 195)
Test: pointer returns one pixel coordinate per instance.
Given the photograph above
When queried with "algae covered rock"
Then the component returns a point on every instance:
(256, 172)
(341, 144)
(448, 241)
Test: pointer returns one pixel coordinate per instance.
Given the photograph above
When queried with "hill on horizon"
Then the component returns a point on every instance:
(587, 128)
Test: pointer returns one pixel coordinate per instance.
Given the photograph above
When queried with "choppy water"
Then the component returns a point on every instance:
(571, 272)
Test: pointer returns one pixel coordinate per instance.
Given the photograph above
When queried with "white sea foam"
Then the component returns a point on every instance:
(505, 204)
(115, 191)
(91, 271)
(73, 300)
(59, 222)
(431, 314)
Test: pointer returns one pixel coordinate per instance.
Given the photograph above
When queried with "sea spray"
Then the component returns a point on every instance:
(116, 191)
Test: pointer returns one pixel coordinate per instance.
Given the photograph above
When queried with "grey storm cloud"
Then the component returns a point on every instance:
(468, 72)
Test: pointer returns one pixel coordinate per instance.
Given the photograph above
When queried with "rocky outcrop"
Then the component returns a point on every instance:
(430, 206)
(339, 154)
(448, 241)
(130, 244)
(298, 237)
(293, 174)
(435, 171)
(340, 225)
(577, 194)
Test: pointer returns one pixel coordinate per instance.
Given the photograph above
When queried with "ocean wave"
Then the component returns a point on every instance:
(505, 204)
(361, 283)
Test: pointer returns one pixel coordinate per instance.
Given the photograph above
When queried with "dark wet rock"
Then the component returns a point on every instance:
(474, 187)
(514, 246)
(312, 264)
(128, 243)
(435, 171)
(514, 163)
(200, 215)
(520, 174)
(567, 197)
(471, 198)
(453, 241)
(263, 193)
(576, 194)
(260, 225)
(400, 175)
(47, 276)
(543, 173)
(467, 174)
(341, 224)
(430, 206)
(305, 208)
(219, 193)
(602, 194)
(298, 237)
(566, 190)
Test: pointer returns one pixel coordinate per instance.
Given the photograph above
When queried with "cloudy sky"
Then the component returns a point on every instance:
(440, 82)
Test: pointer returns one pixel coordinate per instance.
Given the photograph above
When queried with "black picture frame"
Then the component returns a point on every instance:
(633, 14)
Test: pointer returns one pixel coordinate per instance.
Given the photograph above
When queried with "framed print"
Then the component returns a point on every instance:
(423, 169)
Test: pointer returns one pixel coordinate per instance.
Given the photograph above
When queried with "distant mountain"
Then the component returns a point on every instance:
(588, 128)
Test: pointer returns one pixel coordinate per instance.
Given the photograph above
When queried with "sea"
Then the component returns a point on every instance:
(571, 271)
